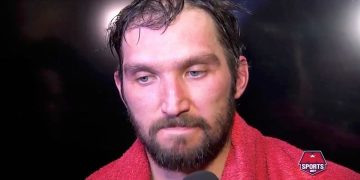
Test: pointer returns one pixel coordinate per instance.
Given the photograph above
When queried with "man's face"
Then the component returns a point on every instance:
(177, 87)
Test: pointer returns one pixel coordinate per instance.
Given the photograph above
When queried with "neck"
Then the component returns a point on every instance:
(216, 166)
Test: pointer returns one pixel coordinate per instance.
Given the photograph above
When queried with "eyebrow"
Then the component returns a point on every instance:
(210, 59)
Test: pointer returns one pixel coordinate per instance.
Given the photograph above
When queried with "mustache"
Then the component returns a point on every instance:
(181, 121)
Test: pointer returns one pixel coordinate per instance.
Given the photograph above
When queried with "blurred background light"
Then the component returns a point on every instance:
(357, 22)
(100, 16)
(107, 13)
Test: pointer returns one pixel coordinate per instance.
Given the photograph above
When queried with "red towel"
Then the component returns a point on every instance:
(252, 156)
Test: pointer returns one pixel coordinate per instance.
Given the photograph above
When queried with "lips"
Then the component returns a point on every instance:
(178, 128)
(178, 124)
(176, 131)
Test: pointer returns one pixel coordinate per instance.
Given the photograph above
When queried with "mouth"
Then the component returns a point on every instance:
(171, 137)
(178, 130)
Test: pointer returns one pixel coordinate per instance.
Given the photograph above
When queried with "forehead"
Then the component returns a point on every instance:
(193, 31)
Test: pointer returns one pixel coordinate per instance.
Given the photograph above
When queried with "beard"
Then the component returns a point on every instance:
(180, 157)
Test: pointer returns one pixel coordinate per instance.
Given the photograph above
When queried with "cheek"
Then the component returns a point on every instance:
(142, 103)
(211, 96)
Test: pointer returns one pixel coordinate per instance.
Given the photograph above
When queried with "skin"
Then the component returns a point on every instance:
(180, 71)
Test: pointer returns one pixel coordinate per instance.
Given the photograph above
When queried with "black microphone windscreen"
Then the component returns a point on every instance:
(201, 175)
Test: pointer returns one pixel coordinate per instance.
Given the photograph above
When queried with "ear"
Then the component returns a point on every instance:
(242, 76)
(119, 86)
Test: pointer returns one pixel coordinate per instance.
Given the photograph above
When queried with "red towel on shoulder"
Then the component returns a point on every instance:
(252, 156)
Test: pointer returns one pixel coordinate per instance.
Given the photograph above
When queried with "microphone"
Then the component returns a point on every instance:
(201, 175)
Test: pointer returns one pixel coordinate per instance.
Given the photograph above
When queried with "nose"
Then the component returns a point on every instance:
(175, 98)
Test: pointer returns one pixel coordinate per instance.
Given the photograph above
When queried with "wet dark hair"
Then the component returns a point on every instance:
(158, 14)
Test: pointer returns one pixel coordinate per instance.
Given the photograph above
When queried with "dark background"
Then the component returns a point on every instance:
(66, 119)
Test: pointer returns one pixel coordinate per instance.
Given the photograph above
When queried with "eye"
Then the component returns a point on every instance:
(145, 79)
(196, 74)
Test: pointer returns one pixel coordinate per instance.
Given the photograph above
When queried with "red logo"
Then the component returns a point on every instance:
(312, 162)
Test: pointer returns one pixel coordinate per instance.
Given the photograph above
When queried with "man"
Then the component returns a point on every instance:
(181, 69)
